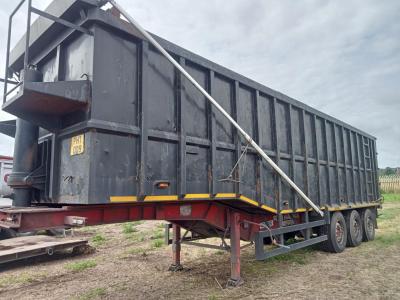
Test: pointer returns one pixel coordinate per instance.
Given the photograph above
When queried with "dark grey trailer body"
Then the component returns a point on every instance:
(144, 125)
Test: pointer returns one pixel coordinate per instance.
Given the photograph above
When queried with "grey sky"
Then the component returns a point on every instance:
(341, 57)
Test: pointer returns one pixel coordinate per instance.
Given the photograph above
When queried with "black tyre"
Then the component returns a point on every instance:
(337, 234)
(368, 218)
(7, 234)
(354, 229)
(55, 232)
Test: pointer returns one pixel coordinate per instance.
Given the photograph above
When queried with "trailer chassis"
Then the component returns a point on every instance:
(205, 218)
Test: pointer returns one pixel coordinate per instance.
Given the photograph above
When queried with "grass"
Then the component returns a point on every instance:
(389, 239)
(259, 268)
(137, 236)
(136, 223)
(388, 214)
(88, 229)
(141, 251)
(98, 240)
(81, 265)
(133, 234)
(300, 257)
(391, 197)
(128, 228)
(157, 235)
(23, 278)
(388, 233)
(93, 294)
(157, 243)
(270, 266)
(161, 225)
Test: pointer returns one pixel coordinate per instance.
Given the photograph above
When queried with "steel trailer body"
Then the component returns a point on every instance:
(121, 128)
(143, 123)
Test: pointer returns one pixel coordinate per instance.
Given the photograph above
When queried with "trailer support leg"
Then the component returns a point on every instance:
(176, 249)
(235, 279)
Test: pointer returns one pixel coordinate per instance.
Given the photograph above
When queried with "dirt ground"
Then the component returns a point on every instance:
(131, 262)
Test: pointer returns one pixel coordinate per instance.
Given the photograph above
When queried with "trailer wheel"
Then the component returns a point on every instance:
(7, 234)
(337, 234)
(368, 221)
(354, 229)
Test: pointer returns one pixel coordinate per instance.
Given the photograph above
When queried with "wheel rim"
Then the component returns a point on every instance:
(357, 228)
(370, 225)
(339, 233)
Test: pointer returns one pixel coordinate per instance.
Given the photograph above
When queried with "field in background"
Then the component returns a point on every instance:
(131, 262)
(390, 184)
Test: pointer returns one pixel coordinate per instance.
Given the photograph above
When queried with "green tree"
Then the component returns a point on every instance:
(389, 171)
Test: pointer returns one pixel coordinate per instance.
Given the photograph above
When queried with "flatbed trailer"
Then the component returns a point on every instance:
(116, 124)
(20, 248)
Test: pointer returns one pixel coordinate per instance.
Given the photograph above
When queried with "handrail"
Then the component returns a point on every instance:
(8, 47)
(40, 13)
(9, 81)
(28, 36)
(6, 81)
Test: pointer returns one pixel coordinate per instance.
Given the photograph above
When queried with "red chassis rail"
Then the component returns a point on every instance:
(210, 213)
(207, 217)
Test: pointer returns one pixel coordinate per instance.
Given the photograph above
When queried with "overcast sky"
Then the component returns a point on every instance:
(341, 57)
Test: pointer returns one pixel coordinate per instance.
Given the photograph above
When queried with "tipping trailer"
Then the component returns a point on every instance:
(116, 124)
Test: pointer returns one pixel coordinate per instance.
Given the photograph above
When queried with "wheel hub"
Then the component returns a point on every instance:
(357, 228)
(370, 225)
(339, 233)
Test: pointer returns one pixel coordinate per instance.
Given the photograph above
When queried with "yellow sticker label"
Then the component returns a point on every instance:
(78, 144)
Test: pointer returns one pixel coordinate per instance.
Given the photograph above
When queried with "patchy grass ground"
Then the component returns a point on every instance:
(131, 262)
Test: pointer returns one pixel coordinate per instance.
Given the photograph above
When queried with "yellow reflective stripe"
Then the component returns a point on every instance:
(248, 200)
(231, 196)
(270, 209)
(161, 198)
(352, 206)
(255, 203)
(290, 211)
(225, 195)
(337, 208)
(196, 196)
(123, 199)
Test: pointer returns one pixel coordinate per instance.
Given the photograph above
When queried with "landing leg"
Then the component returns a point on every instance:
(235, 279)
(176, 249)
